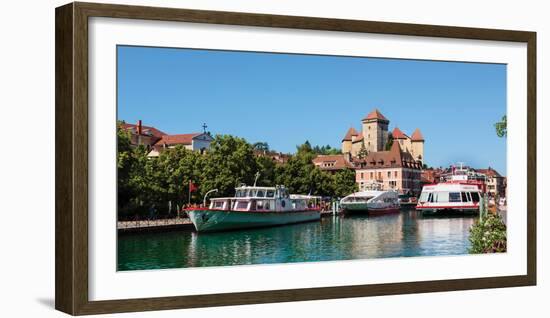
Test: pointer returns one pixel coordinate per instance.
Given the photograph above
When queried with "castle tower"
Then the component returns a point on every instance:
(417, 141)
(403, 140)
(349, 138)
(375, 131)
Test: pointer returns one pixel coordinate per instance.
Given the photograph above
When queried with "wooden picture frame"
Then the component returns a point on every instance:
(71, 122)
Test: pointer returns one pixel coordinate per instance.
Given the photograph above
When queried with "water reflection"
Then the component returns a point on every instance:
(407, 233)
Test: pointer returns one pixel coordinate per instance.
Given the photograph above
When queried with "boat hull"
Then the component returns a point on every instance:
(208, 220)
(366, 208)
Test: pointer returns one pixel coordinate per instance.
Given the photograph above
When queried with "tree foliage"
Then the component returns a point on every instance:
(501, 127)
(488, 235)
(389, 143)
(363, 153)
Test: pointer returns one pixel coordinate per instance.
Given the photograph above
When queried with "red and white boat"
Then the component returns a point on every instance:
(459, 193)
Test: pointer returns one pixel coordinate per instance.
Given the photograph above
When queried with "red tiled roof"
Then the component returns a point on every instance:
(490, 172)
(417, 135)
(351, 132)
(391, 158)
(155, 132)
(181, 139)
(375, 114)
(398, 134)
(336, 162)
(359, 138)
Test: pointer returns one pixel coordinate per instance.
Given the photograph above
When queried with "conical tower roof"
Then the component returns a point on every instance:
(351, 132)
(398, 134)
(376, 114)
(417, 135)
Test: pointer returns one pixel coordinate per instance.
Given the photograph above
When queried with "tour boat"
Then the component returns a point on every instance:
(254, 207)
(460, 192)
(371, 201)
(449, 197)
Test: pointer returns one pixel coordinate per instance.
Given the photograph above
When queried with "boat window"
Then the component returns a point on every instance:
(251, 193)
(475, 197)
(260, 205)
(241, 205)
(270, 193)
(454, 197)
(424, 196)
(260, 193)
(218, 204)
(267, 205)
(241, 193)
(469, 196)
(441, 196)
(464, 198)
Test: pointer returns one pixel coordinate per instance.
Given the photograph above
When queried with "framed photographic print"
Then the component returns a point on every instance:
(211, 158)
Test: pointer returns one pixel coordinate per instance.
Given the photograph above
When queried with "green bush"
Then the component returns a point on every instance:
(488, 235)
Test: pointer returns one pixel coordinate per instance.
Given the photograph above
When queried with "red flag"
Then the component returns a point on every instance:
(192, 186)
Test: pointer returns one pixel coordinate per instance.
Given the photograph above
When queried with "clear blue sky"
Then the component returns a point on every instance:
(285, 99)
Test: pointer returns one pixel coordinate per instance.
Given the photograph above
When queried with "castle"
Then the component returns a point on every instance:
(374, 137)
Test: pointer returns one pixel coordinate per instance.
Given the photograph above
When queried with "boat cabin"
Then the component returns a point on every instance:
(449, 196)
(274, 199)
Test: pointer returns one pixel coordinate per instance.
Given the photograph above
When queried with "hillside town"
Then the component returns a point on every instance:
(392, 159)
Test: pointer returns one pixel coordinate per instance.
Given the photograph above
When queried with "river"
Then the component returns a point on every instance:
(404, 234)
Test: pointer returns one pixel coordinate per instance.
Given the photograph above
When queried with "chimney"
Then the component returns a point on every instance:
(139, 127)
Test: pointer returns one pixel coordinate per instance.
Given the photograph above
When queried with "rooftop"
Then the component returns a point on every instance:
(375, 114)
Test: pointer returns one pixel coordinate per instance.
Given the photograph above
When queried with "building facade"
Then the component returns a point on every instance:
(495, 182)
(156, 141)
(393, 169)
(333, 163)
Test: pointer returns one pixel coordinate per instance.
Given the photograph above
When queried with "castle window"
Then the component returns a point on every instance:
(389, 174)
(372, 175)
(362, 176)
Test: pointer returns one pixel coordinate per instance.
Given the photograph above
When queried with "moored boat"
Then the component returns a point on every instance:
(461, 192)
(371, 202)
(254, 207)
(449, 197)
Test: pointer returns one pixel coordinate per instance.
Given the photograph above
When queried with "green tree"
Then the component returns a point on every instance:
(261, 146)
(125, 161)
(298, 173)
(266, 168)
(229, 162)
(501, 127)
(171, 174)
(344, 183)
(389, 143)
(304, 148)
(362, 154)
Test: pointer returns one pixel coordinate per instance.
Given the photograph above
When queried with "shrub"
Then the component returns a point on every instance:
(488, 235)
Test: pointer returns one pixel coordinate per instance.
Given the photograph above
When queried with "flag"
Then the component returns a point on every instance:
(192, 186)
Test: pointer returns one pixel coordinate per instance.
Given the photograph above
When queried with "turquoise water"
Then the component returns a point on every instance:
(403, 234)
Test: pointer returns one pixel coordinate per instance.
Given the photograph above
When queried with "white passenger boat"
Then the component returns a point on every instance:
(254, 207)
(371, 201)
(450, 197)
(461, 192)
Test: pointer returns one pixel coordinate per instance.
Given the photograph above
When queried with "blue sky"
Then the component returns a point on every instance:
(285, 99)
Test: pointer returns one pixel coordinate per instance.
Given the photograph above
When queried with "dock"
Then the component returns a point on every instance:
(154, 225)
